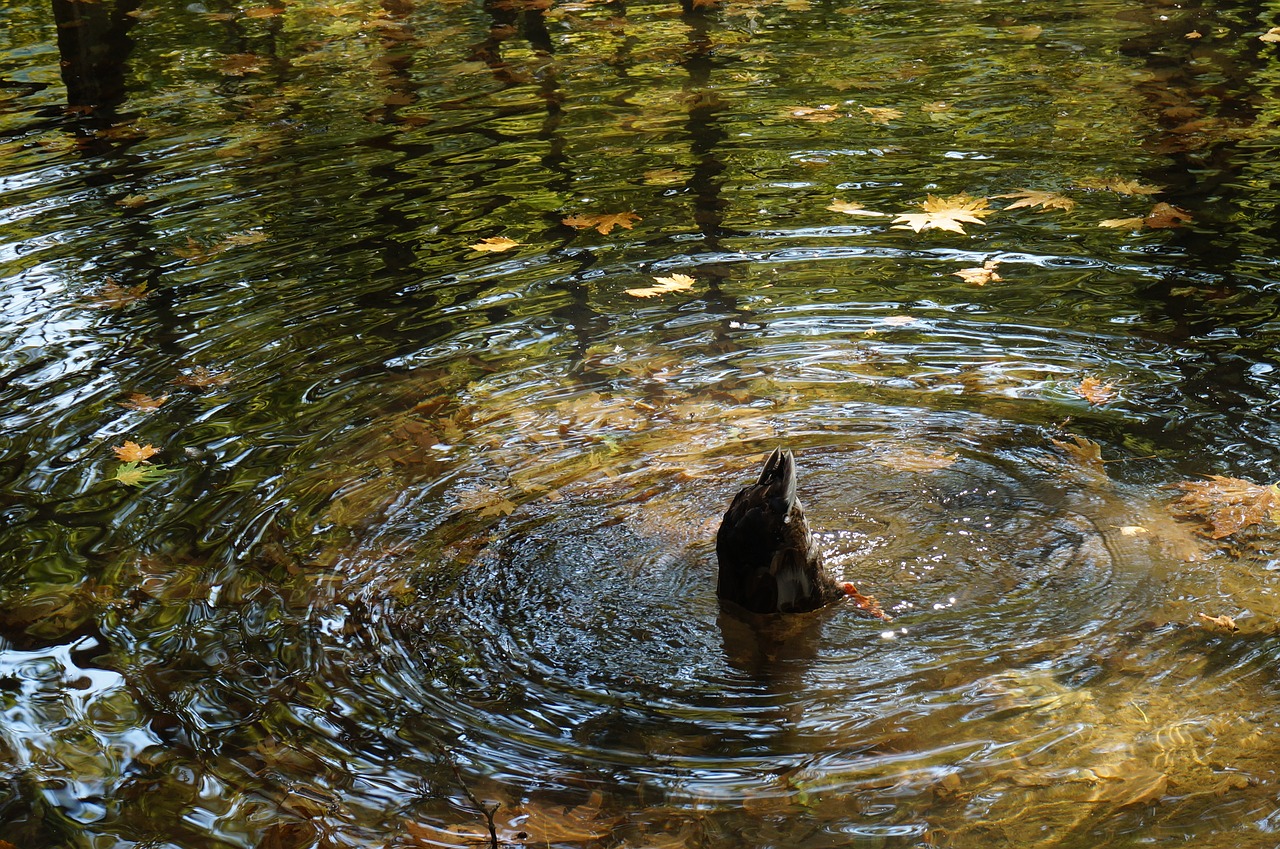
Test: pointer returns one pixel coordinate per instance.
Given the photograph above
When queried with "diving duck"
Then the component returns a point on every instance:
(768, 560)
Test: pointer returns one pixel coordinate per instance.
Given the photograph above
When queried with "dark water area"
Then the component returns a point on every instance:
(425, 554)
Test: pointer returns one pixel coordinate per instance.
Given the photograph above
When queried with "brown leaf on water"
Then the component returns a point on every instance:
(1095, 391)
(1164, 216)
(113, 296)
(604, 222)
(851, 208)
(202, 378)
(248, 237)
(1227, 505)
(132, 452)
(143, 403)
(979, 276)
(1046, 200)
(948, 213)
(1223, 621)
(674, 283)
(133, 201)
(263, 11)
(495, 244)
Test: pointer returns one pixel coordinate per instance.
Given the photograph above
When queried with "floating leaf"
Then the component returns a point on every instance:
(979, 276)
(945, 214)
(850, 208)
(1095, 391)
(1123, 223)
(495, 244)
(145, 403)
(1045, 200)
(239, 64)
(1223, 621)
(674, 283)
(1271, 35)
(132, 452)
(133, 474)
(604, 222)
(1132, 530)
(1227, 505)
(1119, 186)
(133, 201)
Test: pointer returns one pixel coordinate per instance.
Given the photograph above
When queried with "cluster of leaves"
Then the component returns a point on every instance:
(135, 467)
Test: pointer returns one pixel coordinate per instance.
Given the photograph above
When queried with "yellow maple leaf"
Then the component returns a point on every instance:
(945, 214)
(1095, 391)
(1046, 200)
(979, 276)
(1119, 186)
(851, 208)
(882, 114)
(1085, 454)
(603, 223)
(1123, 223)
(132, 452)
(674, 283)
(495, 244)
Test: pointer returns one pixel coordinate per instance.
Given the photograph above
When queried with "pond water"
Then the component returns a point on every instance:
(426, 554)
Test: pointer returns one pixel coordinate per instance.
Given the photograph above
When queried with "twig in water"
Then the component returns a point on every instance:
(487, 812)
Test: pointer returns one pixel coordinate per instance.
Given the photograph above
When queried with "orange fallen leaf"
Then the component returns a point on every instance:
(1227, 505)
(1085, 454)
(1223, 621)
(1165, 215)
(604, 222)
(865, 603)
(132, 452)
(813, 114)
(1095, 391)
(495, 244)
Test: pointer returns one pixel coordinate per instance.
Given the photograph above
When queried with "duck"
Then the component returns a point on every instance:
(768, 560)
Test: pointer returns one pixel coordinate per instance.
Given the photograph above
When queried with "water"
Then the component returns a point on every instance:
(435, 526)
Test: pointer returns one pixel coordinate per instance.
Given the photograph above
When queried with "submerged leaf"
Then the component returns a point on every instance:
(1227, 505)
(603, 222)
(1166, 215)
(1084, 453)
(141, 402)
(113, 296)
(882, 114)
(850, 208)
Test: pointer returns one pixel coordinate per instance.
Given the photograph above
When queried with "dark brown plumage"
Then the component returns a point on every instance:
(768, 560)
